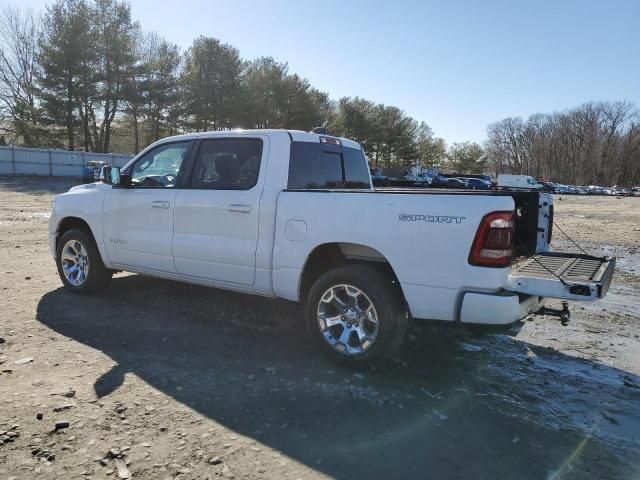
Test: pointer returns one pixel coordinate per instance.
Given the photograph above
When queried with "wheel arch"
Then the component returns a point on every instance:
(70, 223)
(328, 256)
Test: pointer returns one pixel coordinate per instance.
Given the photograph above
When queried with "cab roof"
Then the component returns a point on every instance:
(295, 135)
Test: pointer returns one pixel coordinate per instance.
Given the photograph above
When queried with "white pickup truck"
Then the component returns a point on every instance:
(293, 215)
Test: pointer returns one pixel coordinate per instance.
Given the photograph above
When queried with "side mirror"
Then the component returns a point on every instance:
(110, 175)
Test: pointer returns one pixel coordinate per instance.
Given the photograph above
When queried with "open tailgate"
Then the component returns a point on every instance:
(568, 276)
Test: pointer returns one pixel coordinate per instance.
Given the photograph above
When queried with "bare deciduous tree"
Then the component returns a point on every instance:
(19, 31)
(595, 143)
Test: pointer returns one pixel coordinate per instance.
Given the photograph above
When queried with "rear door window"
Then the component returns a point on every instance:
(227, 164)
(313, 165)
(321, 166)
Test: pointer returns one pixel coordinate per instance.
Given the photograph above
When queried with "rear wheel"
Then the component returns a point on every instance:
(79, 263)
(355, 315)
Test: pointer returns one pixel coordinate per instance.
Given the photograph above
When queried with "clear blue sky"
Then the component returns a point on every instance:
(458, 65)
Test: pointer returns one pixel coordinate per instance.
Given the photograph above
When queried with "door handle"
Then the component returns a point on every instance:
(160, 204)
(239, 208)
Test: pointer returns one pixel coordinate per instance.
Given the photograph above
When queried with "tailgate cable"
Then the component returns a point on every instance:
(594, 257)
(570, 239)
(576, 244)
(535, 259)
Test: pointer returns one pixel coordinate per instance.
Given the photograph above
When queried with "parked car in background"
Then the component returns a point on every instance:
(448, 182)
(571, 189)
(478, 184)
(420, 175)
(486, 178)
(378, 178)
(91, 171)
(635, 191)
(518, 181)
(595, 190)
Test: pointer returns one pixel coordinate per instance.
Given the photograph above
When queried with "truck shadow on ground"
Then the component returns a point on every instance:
(449, 406)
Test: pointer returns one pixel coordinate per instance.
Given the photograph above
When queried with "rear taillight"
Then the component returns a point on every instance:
(493, 245)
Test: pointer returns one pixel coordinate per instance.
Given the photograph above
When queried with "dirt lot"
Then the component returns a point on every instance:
(163, 380)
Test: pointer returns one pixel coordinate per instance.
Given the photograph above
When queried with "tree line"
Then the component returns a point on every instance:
(597, 143)
(84, 75)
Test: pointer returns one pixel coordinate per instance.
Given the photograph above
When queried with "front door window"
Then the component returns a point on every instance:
(159, 167)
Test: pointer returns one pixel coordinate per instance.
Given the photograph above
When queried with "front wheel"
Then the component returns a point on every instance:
(79, 263)
(355, 315)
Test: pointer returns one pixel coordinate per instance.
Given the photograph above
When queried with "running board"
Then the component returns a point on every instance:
(568, 276)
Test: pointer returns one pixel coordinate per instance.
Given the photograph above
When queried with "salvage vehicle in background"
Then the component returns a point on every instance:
(293, 215)
(378, 178)
(448, 182)
(620, 191)
(478, 184)
(522, 182)
(91, 171)
(420, 176)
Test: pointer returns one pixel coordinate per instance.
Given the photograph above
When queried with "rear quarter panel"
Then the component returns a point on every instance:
(425, 237)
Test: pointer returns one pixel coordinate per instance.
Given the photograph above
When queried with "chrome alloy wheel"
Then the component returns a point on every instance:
(74, 262)
(347, 319)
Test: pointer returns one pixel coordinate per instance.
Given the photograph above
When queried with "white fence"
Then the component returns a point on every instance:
(51, 162)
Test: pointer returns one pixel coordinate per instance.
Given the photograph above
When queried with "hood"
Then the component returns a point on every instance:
(90, 186)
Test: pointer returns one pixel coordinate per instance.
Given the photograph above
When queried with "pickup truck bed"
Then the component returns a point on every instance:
(534, 211)
(421, 191)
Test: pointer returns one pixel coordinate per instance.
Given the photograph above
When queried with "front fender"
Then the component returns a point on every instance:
(83, 202)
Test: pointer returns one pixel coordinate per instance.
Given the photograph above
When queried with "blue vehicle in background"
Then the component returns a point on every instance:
(378, 178)
(449, 182)
(478, 184)
(91, 171)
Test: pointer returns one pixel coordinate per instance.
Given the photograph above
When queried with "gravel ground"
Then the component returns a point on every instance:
(154, 379)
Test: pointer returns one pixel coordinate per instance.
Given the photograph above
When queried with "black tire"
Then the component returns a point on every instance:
(98, 276)
(382, 293)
